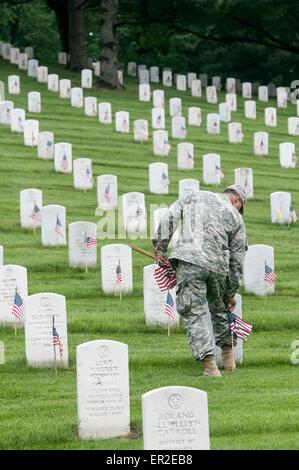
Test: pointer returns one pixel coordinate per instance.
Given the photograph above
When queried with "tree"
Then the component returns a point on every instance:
(76, 28)
(108, 43)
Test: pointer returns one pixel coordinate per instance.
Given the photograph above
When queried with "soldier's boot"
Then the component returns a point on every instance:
(210, 367)
(228, 359)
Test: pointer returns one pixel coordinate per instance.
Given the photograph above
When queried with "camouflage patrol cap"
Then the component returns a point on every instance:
(236, 189)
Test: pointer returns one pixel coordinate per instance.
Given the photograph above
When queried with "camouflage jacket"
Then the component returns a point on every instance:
(212, 235)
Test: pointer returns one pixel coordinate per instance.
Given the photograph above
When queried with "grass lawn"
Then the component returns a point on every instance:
(255, 408)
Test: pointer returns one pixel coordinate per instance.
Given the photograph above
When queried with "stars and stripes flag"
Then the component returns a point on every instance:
(165, 278)
(88, 174)
(164, 179)
(57, 341)
(17, 308)
(58, 227)
(169, 306)
(219, 172)
(270, 276)
(89, 242)
(166, 145)
(36, 213)
(107, 195)
(247, 188)
(64, 162)
(118, 275)
(239, 327)
(292, 215)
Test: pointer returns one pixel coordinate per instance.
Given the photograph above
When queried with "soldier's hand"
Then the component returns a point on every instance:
(163, 261)
(230, 303)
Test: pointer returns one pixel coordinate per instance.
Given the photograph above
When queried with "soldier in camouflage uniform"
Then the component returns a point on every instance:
(208, 259)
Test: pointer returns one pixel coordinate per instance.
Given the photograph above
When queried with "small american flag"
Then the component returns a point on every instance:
(64, 162)
(36, 213)
(88, 174)
(58, 227)
(294, 159)
(89, 242)
(165, 278)
(118, 275)
(239, 327)
(17, 308)
(125, 124)
(107, 195)
(169, 306)
(166, 145)
(57, 341)
(270, 276)
(247, 188)
(164, 179)
(292, 215)
(219, 172)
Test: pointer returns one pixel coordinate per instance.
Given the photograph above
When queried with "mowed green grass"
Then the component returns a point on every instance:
(255, 408)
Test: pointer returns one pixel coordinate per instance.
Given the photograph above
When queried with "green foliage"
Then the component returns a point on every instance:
(255, 408)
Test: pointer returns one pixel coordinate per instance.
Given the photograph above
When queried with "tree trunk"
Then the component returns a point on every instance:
(76, 25)
(60, 9)
(108, 55)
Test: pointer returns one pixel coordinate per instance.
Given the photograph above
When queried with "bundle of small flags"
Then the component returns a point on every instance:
(270, 276)
(17, 308)
(165, 278)
(239, 327)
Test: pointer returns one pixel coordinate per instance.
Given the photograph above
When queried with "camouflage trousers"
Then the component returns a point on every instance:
(200, 299)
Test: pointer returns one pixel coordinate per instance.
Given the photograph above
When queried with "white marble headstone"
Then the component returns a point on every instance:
(244, 178)
(122, 121)
(31, 131)
(53, 226)
(155, 300)
(23, 61)
(42, 74)
(62, 58)
(231, 99)
(63, 157)
(213, 123)
(6, 108)
(191, 76)
(82, 173)
(144, 92)
(194, 116)
(196, 88)
(175, 107)
(103, 389)
(185, 156)
(31, 203)
(140, 130)
(14, 55)
(32, 67)
(82, 244)
(271, 117)
(186, 186)
(224, 112)
(53, 82)
(167, 78)
(158, 118)
(293, 125)
(263, 93)
(212, 173)
(132, 69)
(143, 77)
(282, 98)
(40, 310)
(107, 192)
(12, 278)
(256, 259)
(235, 134)
(116, 263)
(18, 117)
(178, 127)
(45, 146)
(231, 85)
(161, 145)
(77, 97)
(154, 74)
(211, 94)
(90, 106)
(158, 178)
(261, 143)
(250, 109)
(86, 78)
(105, 113)
(14, 85)
(175, 418)
(216, 82)
(203, 77)
(280, 207)
(247, 90)
(287, 155)
(181, 83)
(134, 214)
(65, 88)
(158, 99)
(34, 102)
